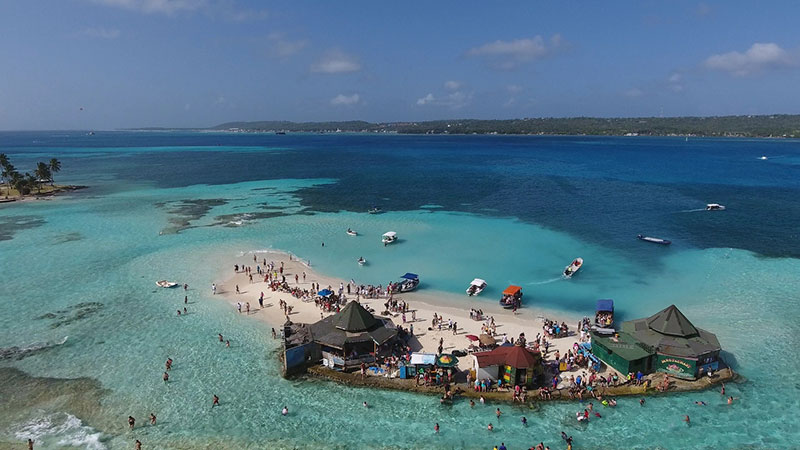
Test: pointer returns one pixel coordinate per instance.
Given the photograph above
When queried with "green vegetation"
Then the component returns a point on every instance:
(23, 184)
(739, 126)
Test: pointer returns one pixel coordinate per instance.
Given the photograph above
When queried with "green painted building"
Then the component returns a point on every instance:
(664, 342)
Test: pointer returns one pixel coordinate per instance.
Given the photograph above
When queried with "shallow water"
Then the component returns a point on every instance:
(509, 210)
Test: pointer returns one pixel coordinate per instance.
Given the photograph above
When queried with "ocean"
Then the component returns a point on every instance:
(84, 332)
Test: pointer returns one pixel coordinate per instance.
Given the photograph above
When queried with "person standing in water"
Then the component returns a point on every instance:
(165, 377)
(215, 402)
(152, 419)
(131, 422)
(435, 429)
(137, 445)
(285, 411)
(30, 444)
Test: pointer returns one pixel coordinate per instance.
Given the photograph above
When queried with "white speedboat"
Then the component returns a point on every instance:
(352, 232)
(714, 207)
(476, 287)
(389, 237)
(570, 270)
(361, 261)
(654, 240)
(166, 284)
(374, 210)
(763, 158)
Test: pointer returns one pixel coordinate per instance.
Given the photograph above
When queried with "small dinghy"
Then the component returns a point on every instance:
(166, 284)
(570, 270)
(352, 232)
(361, 261)
(654, 240)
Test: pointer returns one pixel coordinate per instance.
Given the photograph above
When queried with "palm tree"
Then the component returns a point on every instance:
(42, 174)
(17, 182)
(55, 167)
(8, 171)
(3, 164)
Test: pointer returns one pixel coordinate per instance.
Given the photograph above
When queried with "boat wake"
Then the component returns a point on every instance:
(18, 353)
(60, 430)
(692, 210)
(552, 280)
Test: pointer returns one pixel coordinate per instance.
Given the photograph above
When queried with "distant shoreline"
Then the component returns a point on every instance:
(762, 126)
(48, 191)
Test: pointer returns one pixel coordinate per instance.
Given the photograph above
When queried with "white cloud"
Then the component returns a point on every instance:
(336, 62)
(225, 9)
(425, 100)
(511, 54)
(155, 6)
(342, 99)
(510, 102)
(453, 100)
(675, 77)
(514, 89)
(452, 85)
(282, 47)
(633, 92)
(757, 58)
(100, 33)
(675, 82)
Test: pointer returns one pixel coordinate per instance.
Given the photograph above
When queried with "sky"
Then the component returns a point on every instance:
(106, 64)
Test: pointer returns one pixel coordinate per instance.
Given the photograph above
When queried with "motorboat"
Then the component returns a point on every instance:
(374, 210)
(476, 287)
(166, 284)
(654, 240)
(389, 237)
(570, 270)
(512, 297)
(714, 207)
(407, 283)
(604, 317)
(352, 232)
(361, 261)
(763, 158)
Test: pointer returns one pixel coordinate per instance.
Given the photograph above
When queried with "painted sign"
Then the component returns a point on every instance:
(685, 368)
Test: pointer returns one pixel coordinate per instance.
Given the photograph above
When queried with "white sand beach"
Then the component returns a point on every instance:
(423, 303)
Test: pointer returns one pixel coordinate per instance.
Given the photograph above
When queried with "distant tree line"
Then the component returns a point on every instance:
(780, 125)
(25, 183)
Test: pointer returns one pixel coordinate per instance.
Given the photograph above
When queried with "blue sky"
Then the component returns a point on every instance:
(194, 63)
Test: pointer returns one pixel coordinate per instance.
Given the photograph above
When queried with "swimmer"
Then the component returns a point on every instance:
(686, 419)
(436, 428)
(285, 411)
(731, 399)
(179, 312)
(366, 405)
(184, 310)
(215, 402)
(227, 343)
(722, 391)
(220, 337)
(612, 402)
(152, 419)
(641, 402)
(490, 427)
(524, 421)
(168, 364)
(700, 403)
(482, 400)
(471, 403)
(497, 413)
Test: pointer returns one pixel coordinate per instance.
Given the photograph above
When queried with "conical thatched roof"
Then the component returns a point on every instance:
(354, 318)
(672, 322)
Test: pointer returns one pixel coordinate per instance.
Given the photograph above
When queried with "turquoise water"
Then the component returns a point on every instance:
(82, 268)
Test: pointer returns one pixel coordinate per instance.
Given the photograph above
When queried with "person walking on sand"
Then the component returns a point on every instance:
(248, 308)
(239, 307)
(214, 288)
(131, 422)
(152, 419)
(215, 402)
(237, 289)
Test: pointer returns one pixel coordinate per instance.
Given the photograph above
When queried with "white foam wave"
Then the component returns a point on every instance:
(60, 429)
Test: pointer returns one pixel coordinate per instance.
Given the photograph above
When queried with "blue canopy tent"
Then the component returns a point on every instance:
(324, 292)
(410, 276)
(605, 305)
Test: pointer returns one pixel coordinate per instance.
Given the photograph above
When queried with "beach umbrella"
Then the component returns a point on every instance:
(472, 337)
(445, 360)
(324, 292)
(487, 340)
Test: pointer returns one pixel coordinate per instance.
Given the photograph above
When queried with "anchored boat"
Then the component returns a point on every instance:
(389, 237)
(407, 283)
(654, 240)
(476, 287)
(512, 297)
(166, 284)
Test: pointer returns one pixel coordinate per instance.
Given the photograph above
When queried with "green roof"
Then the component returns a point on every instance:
(670, 332)
(671, 321)
(353, 318)
(626, 346)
